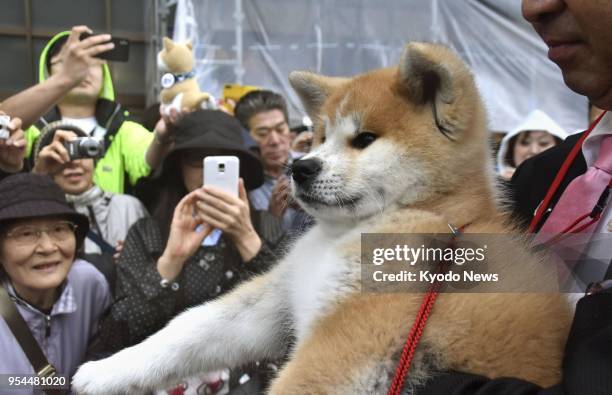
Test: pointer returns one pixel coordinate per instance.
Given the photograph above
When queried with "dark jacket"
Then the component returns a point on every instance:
(587, 366)
(535, 175)
(142, 306)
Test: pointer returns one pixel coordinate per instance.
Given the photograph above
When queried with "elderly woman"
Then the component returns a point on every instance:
(59, 298)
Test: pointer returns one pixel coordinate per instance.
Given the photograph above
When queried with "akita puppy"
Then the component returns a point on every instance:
(404, 150)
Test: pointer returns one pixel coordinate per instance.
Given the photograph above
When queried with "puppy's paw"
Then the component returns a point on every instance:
(107, 376)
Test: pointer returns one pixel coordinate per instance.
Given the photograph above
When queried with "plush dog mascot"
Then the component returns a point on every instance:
(180, 88)
(397, 150)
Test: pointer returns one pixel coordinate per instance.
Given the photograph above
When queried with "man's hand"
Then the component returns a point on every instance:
(12, 149)
(164, 129)
(279, 200)
(165, 135)
(232, 215)
(53, 157)
(76, 56)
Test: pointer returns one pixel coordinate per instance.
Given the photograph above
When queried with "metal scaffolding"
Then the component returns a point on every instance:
(157, 24)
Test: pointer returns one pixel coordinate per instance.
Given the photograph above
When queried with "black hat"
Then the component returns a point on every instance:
(28, 195)
(214, 129)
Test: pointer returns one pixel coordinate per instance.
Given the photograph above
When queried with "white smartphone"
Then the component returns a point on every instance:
(222, 172)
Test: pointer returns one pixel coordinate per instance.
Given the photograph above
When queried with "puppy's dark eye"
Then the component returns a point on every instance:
(363, 139)
(323, 139)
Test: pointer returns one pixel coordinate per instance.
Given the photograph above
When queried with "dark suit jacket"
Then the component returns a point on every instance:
(587, 366)
(534, 176)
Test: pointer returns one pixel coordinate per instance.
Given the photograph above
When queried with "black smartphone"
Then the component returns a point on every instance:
(121, 52)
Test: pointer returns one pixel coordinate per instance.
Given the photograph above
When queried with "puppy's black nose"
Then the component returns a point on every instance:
(306, 170)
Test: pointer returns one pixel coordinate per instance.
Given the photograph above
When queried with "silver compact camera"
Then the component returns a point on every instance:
(4, 131)
(84, 147)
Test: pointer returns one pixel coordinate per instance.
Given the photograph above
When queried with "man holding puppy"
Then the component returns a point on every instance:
(579, 40)
(76, 87)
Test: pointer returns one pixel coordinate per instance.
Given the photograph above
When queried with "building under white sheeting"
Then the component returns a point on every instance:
(258, 42)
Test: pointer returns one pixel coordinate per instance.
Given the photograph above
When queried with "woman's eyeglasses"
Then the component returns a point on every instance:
(29, 235)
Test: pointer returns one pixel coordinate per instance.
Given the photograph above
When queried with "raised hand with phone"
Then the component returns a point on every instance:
(78, 55)
(198, 214)
(75, 85)
(224, 204)
(65, 64)
(232, 215)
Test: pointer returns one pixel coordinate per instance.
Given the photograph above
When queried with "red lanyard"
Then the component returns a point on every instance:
(560, 175)
(595, 215)
(418, 326)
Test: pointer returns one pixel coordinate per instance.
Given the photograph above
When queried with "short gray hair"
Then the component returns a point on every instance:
(259, 101)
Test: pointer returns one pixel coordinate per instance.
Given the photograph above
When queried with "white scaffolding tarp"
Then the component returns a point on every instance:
(258, 42)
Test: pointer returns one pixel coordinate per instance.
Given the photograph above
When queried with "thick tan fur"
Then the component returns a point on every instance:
(178, 58)
(493, 334)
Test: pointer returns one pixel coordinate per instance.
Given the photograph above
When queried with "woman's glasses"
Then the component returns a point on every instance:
(29, 235)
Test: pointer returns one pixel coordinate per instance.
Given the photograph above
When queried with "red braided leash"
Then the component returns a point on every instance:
(418, 326)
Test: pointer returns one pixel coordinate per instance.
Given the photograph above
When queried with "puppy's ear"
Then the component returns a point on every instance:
(189, 44)
(168, 44)
(313, 89)
(422, 77)
(431, 74)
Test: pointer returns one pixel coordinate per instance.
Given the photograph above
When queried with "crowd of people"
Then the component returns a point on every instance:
(99, 252)
(109, 239)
